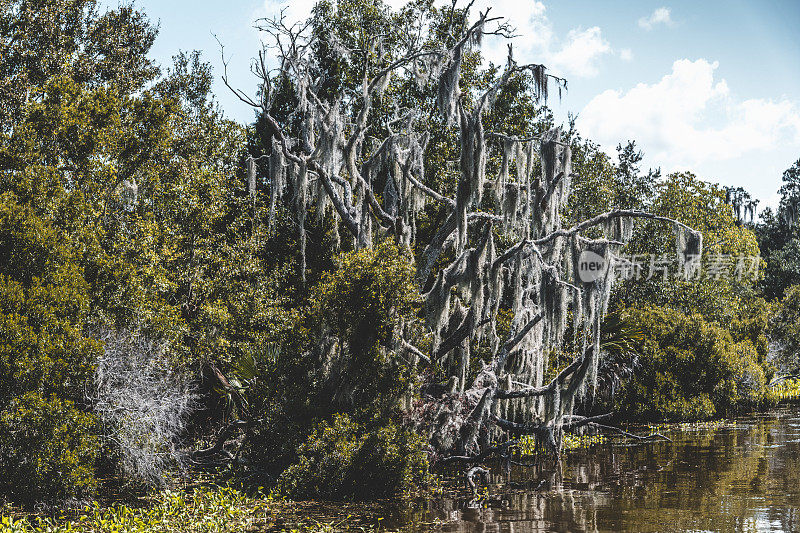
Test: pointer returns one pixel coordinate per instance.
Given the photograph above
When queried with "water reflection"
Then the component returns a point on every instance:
(738, 477)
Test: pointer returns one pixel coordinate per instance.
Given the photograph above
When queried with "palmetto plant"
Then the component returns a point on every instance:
(621, 341)
(620, 336)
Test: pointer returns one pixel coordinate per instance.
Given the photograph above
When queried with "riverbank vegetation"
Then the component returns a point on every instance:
(380, 276)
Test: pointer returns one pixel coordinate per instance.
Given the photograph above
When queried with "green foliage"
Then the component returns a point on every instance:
(635, 189)
(788, 389)
(138, 170)
(362, 299)
(338, 357)
(594, 187)
(620, 335)
(119, 186)
(206, 509)
(706, 353)
(42, 39)
(702, 206)
(784, 331)
(47, 450)
(782, 269)
(689, 368)
(569, 441)
(47, 447)
(43, 308)
(342, 460)
(359, 305)
(779, 238)
(202, 510)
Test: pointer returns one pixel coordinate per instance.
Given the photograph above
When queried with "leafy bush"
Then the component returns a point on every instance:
(784, 331)
(47, 447)
(357, 307)
(43, 307)
(702, 206)
(342, 460)
(339, 359)
(47, 450)
(689, 369)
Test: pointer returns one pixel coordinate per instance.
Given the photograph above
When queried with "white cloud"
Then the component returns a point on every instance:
(688, 119)
(580, 53)
(659, 16)
(577, 55)
(626, 54)
(294, 11)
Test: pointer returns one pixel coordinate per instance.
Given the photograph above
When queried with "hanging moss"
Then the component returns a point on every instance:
(688, 244)
(277, 176)
(618, 228)
(300, 200)
(531, 189)
(251, 176)
(449, 91)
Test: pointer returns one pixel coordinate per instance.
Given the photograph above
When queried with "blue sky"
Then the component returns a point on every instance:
(712, 86)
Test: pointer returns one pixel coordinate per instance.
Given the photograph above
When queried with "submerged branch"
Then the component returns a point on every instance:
(631, 435)
(485, 454)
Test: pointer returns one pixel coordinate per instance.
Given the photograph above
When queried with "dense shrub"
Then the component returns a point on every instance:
(689, 369)
(784, 331)
(340, 358)
(356, 309)
(342, 460)
(47, 447)
(47, 450)
(43, 307)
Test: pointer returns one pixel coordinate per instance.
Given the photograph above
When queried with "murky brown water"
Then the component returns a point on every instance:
(742, 476)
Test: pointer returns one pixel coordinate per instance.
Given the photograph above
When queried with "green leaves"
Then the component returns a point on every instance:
(48, 450)
(784, 329)
(702, 206)
(620, 335)
(47, 446)
(689, 369)
(343, 460)
(43, 305)
(364, 296)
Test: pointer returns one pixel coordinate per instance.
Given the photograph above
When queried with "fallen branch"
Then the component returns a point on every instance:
(580, 421)
(476, 471)
(226, 434)
(488, 452)
(631, 435)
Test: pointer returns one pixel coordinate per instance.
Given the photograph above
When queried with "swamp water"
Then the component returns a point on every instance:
(742, 475)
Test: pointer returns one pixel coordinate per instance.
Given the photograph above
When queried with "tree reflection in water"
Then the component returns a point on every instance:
(743, 476)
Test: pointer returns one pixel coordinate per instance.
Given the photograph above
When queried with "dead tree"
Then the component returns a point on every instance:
(335, 162)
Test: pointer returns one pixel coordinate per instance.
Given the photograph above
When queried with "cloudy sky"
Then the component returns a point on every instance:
(712, 87)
